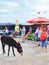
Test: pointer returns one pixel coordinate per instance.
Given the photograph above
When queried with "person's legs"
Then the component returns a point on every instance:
(26, 35)
(44, 45)
(38, 41)
(22, 37)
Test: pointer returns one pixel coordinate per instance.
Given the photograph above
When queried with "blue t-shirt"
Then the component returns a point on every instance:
(23, 31)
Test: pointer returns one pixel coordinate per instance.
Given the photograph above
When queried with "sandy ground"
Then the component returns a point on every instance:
(32, 55)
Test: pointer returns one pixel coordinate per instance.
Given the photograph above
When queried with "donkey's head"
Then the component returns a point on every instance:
(19, 48)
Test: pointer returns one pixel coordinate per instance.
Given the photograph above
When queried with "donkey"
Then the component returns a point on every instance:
(7, 40)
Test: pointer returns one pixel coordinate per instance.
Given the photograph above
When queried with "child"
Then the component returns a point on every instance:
(43, 37)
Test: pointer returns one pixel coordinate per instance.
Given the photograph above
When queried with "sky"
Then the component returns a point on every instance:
(22, 10)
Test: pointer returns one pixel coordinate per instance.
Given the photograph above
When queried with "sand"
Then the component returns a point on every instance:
(32, 55)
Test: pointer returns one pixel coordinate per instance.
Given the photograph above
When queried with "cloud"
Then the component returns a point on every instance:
(10, 4)
(4, 10)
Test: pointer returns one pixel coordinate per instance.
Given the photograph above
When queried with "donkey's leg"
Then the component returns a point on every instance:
(3, 47)
(13, 50)
(8, 50)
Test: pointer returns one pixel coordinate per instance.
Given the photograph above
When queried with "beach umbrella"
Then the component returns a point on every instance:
(41, 20)
(38, 20)
(31, 22)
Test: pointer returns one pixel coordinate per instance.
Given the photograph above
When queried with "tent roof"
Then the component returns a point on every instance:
(7, 24)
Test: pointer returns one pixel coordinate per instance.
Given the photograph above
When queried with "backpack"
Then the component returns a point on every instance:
(43, 36)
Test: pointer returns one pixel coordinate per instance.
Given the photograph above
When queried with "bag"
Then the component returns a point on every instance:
(43, 36)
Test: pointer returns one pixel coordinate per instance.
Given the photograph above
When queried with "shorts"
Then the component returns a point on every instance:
(44, 43)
